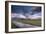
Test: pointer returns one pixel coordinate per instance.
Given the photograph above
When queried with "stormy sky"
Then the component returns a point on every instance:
(25, 11)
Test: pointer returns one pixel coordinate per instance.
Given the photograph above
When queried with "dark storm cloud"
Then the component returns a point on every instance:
(25, 9)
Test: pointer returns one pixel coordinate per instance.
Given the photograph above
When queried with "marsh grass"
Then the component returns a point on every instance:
(36, 22)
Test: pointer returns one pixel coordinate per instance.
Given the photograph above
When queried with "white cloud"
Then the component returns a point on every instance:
(27, 16)
(17, 15)
(35, 16)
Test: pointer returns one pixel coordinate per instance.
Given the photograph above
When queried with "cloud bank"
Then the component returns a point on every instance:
(27, 16)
